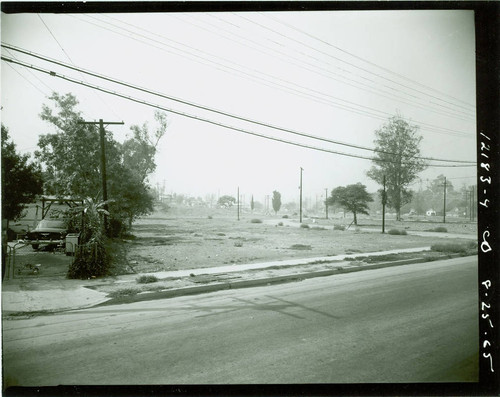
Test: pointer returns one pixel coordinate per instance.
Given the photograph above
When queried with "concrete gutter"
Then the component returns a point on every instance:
(342, 267)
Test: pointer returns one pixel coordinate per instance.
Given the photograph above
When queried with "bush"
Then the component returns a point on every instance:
(256, 221)
(91, 260)
(146, 279)
(285, 216)
(339, 227)
(304, 225)
(280, 224)
(397, 232)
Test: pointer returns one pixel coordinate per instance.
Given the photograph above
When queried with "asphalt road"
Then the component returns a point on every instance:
(414, 323)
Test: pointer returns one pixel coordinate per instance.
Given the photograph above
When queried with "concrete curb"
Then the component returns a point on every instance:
(172, 293)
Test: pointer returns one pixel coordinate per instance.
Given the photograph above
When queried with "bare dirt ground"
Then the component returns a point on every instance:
(188, 238)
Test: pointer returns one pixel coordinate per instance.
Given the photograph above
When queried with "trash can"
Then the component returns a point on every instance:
(71, 243)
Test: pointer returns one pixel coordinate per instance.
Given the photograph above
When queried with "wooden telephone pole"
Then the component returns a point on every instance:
(103, 159)
(300, 187)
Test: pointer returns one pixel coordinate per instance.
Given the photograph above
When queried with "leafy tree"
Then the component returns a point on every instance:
(397, 157)
(353, 198)
(436, 186)
(139, 150)
(21, 180)
(71, 157)
(276, 201)
(226, 201)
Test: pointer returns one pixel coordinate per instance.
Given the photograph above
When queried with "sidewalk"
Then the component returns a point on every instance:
(52, 294)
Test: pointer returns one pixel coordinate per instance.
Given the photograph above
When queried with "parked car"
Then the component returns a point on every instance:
(49, 232)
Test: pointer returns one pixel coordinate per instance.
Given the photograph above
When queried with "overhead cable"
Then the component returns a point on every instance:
(376, 65)
(222, 112)
(202, 119)
(267, 79)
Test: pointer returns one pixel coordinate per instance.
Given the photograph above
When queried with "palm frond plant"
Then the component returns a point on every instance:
(91, 257)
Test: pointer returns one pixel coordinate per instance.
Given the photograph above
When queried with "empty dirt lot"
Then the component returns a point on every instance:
(185, 238)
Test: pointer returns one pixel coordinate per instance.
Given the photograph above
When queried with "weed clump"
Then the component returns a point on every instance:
(339, 227)
(304, 226)
(123, 292)
(456, 248)
(439, 229)
(300, 247)
(146, 279)
(397, 232)
(256, 221)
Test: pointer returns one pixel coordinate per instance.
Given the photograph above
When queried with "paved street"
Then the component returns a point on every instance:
(414, 323)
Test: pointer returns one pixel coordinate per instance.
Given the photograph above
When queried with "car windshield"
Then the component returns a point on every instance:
(45, 224)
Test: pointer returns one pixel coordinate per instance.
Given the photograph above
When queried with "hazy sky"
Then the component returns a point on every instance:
(336, 75)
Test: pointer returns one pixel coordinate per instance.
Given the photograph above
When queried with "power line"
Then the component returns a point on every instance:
(301, 61)
(194, 117)
(70, 60)
(378, 66)
(383, 115)
(25, 78)
(219, 111)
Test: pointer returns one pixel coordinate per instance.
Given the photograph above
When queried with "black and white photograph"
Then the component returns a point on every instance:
(246, 194)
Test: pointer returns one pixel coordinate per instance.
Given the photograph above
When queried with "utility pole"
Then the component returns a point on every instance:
(470, 205)
(444, 202)
(384, 200)
(300, 187)
(326, 202)
(466, 203)
(473, 207)
(103, 161)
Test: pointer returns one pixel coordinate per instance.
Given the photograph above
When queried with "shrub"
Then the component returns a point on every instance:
(210, 217)
(91, 260)
(146, 279)
(397, 232)
(238, 244)
(285, 216)
(280, 223)
(256, 221)
(339, 227)
(304, 225)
